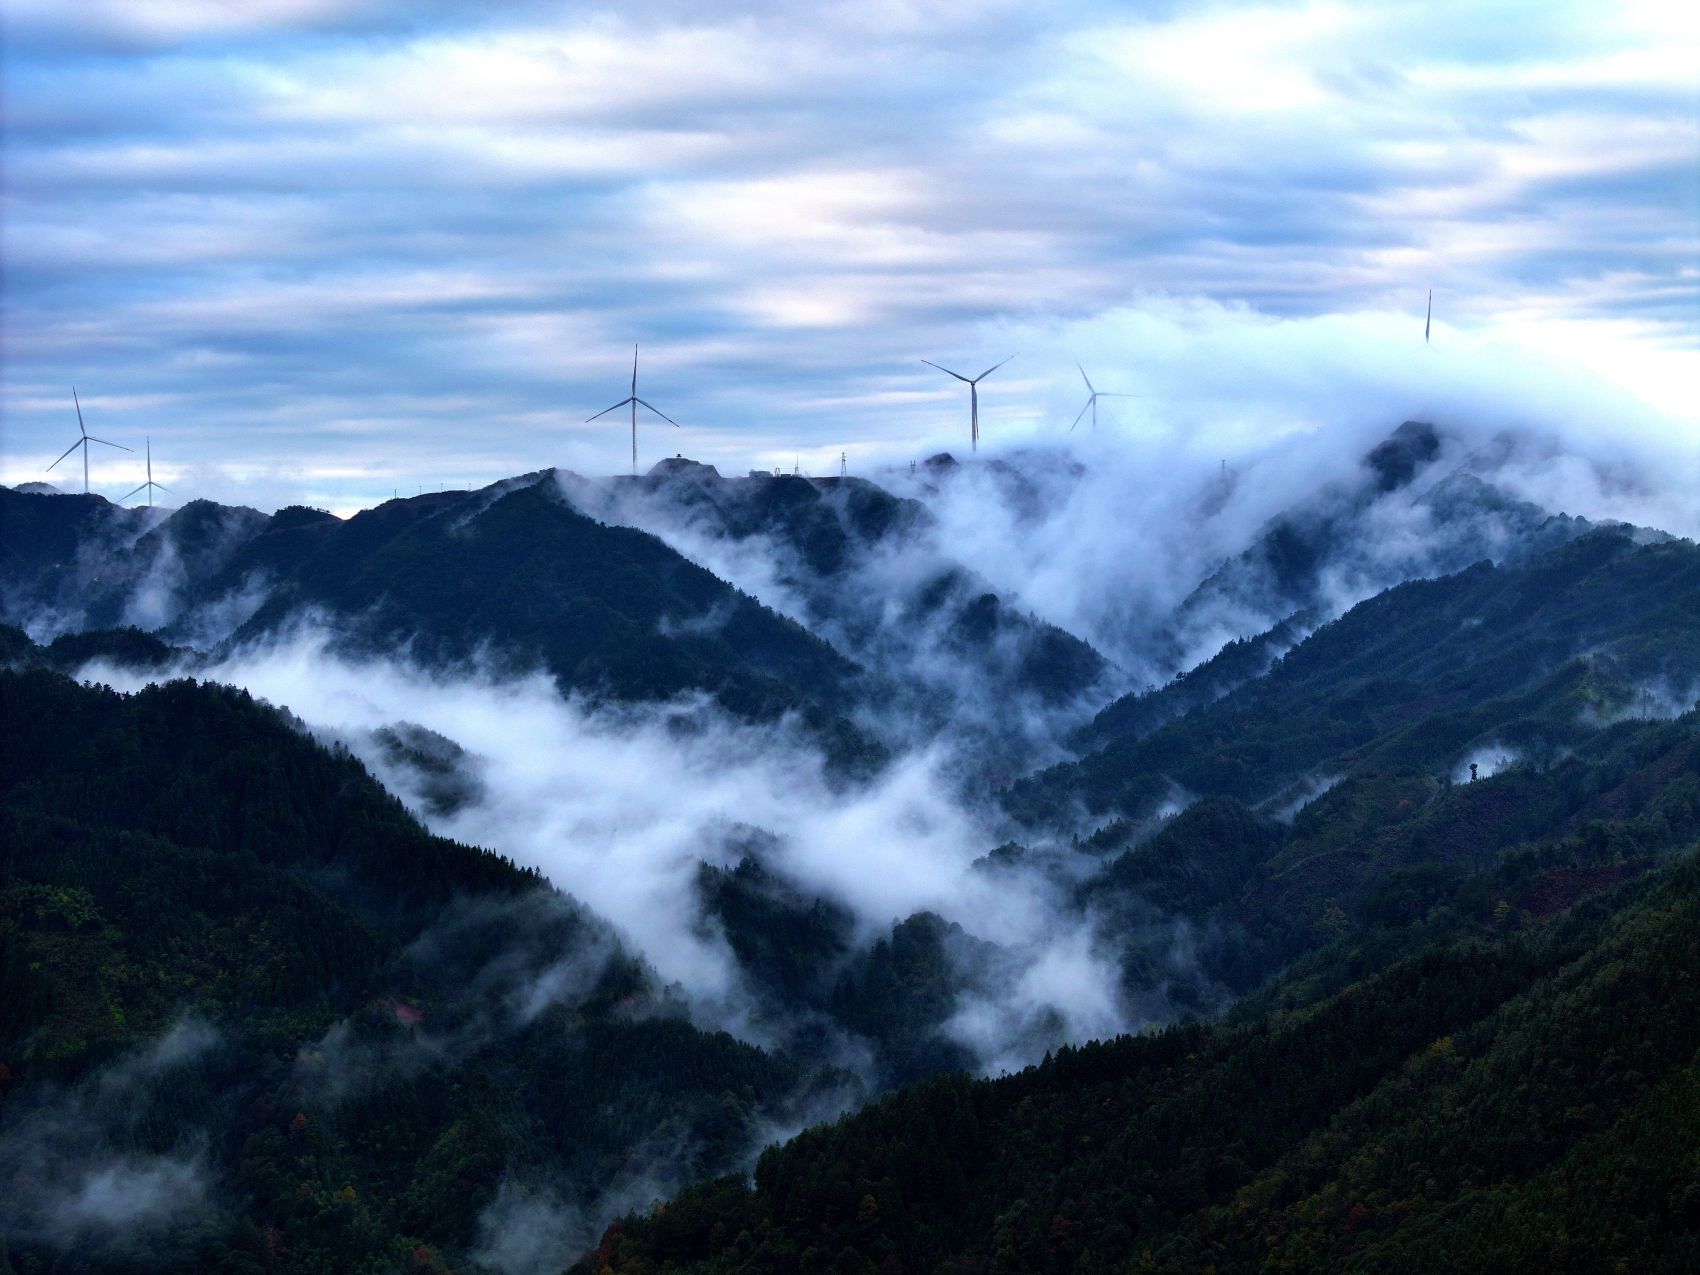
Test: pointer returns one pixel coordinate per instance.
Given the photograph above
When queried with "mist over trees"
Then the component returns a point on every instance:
(450, 884)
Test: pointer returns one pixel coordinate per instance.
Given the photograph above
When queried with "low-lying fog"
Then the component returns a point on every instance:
(618, 805)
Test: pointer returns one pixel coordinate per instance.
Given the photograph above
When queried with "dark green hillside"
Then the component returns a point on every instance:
(53, 548)
(512, 573)
(127, 647)
(40, 532)
(1132, 717)
(521, 574)
(800, 955)
(900, 992)
(829, 536)
(160, 573)
(1372, 719)
(1389, 814)
(381, 1044)
(1409, 678)
(1446, 517)
(787, 943)
(829, 522)
(1490, 1070)
(292, 536)
(866, 569)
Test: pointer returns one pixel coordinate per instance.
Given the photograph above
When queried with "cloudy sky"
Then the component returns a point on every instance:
(323, 249)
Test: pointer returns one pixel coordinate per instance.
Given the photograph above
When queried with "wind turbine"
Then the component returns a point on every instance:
(973, 396)
(84, 442)
(635, 402)
(150, 486)
(1092, 402)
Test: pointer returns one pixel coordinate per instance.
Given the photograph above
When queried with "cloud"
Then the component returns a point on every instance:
(618, 806)
(1487, 760)
(510, 960)
(83, 1174)
(528, 1229)
(944, 662)
(336, 250)
(1656, 699)
(1240, 417)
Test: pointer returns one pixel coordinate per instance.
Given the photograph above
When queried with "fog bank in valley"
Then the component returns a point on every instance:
(618, 806)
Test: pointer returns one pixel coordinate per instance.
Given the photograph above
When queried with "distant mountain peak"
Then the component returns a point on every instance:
(676, 466)
(299, 516)
(1396, 461)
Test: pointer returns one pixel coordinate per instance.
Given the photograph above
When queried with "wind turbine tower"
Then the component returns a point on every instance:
(1092, 402)
(84, 442)
(150, 486)
(973, 397)
(634, 402)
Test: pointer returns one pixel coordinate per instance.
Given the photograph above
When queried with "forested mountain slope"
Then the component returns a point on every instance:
(1412, 511)
(1345, 766)
(893, 631)
(253, 1017)
(53, 546)
(1496, 1071)
(1411, 677)
(868, 570)
(512, 576)
(521, 572)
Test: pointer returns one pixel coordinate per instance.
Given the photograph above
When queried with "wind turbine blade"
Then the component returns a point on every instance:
(606, 410)
(994, 367)
(79, 404)
(1113, 394)
(1087, 404)
(73, 447)
(162, 487)
(104, 443)
(634, 369)
(663, 415)
(1429, 317)
(1087, 379)
(128, 494)
(948, 372)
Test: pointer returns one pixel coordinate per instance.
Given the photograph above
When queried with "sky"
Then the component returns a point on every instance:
(322, 251)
